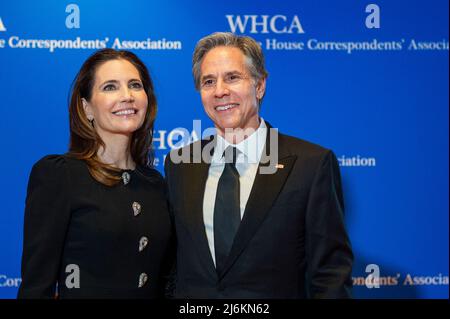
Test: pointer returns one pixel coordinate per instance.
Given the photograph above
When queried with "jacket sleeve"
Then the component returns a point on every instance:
(170, 286)
(328, 249)
(47, 215)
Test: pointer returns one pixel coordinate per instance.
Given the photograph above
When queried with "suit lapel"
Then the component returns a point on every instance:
(265, 190)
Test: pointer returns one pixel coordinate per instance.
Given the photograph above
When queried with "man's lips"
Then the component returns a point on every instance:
(225, 107)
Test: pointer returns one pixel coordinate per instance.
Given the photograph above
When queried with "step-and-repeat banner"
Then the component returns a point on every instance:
(367, 79)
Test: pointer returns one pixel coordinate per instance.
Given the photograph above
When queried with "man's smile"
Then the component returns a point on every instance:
(225, 107)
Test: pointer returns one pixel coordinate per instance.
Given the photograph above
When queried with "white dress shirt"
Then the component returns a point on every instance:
(247, 161)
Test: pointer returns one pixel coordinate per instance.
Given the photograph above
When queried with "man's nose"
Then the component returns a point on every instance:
(221, 89)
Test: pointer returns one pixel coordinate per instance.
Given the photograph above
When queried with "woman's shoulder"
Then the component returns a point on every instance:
(50, 163)
(54, 165)
(50, 170)
(56, 162)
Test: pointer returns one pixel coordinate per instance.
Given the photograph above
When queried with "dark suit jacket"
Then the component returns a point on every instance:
(291, 242)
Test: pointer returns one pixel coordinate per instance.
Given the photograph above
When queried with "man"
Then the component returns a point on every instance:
(249, 226)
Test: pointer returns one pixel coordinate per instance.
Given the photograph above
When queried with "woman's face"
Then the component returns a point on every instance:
(118, 101)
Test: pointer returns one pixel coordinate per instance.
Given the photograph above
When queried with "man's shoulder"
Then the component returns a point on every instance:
(309, 156)
(297, 146)
(191, 146)
(291, 145)
(191, 153)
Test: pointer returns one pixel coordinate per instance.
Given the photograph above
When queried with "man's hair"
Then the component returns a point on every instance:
(249, 47)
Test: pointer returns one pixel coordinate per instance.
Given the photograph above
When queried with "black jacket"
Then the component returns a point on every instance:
(71, 219)
(291, 242)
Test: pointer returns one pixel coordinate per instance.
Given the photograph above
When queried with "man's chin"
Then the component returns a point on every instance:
(227, 127)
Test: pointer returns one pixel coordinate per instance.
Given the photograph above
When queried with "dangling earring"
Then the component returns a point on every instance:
(91, 120)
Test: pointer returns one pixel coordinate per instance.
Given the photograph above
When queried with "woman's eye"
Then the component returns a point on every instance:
(136, 85)
(109, 87)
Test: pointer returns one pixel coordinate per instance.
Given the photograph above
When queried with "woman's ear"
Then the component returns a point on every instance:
(87, 110)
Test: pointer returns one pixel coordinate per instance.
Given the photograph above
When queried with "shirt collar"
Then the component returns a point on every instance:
(252, 147)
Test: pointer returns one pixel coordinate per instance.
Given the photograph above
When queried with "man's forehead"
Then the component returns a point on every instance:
(224, 54)
(223, 60)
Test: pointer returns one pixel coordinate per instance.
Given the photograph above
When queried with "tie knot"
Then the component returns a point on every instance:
(230, 155)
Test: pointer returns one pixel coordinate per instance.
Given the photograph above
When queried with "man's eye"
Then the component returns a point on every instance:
(208, 82)
(109, 87)
(232, 78)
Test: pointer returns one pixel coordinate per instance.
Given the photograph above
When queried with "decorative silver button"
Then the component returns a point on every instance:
(126, 178)
(136, 208)
(143, 279)
(143, 243)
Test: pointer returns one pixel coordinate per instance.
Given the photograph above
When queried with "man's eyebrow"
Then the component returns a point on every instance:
(210, 76)
(207, 76)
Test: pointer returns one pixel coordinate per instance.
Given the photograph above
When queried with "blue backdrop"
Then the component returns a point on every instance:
(366, 79)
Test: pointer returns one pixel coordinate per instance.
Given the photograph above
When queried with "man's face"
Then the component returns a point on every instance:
(229, 93)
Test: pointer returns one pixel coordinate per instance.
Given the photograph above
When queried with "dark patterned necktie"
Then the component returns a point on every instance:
(227, 212)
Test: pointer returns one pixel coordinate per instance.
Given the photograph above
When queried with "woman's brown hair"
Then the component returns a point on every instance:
(84, 140)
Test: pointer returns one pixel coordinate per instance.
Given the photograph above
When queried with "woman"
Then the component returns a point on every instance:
(96, 219)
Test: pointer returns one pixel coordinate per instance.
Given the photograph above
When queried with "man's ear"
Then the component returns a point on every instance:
(87, 110)
(260, 88)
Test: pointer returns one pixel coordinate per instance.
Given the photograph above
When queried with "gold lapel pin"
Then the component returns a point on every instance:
(279, 166)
